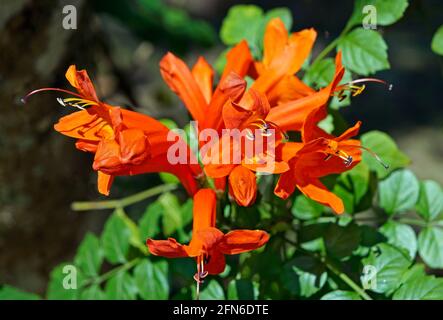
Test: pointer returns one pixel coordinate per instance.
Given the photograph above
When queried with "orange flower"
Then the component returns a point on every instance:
(291, 115)
(208, 244)
(194, 87)
(283, 56)
(320, 154)
(124, 142)
(230, 156)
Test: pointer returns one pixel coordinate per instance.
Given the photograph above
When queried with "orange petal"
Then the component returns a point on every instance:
(288, 89)
(238, 60)
(86, 145)
(303, 42)
(85, 125)
(275, 39)
(231, 87)
(184, 172)
(166, 248)
(204, 212)
(216, 263)
(179, 78)
(239, 241)
(107, 157)
(243, 185)
(351, 132)
(81, 81)
(314, 189)
(203, 241)
(285, 185)
(203, 75)
(104, 182)
(134, 146)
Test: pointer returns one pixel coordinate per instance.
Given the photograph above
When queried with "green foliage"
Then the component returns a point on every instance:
(392, 219)
(388, 11)
(437, 41)
(399, 192)
(11, 293)
(386, 149)
(364, 51)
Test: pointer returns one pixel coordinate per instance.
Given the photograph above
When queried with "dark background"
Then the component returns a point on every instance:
(41, 173)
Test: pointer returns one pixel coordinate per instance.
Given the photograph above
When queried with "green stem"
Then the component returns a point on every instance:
(415, 222)
(124, 202)
(332, 45)
(335, 270)
(348, 281)
(128, 265)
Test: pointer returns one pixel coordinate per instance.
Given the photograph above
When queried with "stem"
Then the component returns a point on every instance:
(332, 45)
(415, 222)
(121, 203)
(128, 265)
(348, 281)
(335, 270)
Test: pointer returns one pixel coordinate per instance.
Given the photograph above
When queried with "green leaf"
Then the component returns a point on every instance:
(399, 192)
(172, 219)
(149, 222)
(115, 239)
(320, 74)
(437, 41)
(420, 287)
(134, 238)
(390, 263)
(169, 123)
(11, 293)
(65, 282)
(152, 280)
(342, 241)
(341, 295)
(94, 292)
(89, 256)
(388, 11)
(304, 276)
(430, 201)
(400, 235)
(242, 289)
(241, 22)
(213, 291)
(364, 51)
(121, 287)
(430, 246)
(168, 177)
(382, 144)
(305, 208)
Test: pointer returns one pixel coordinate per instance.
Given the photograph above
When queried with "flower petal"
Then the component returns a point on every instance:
(216, 263)
(179, 78)
(243, 185)
(239, 241)
(81, 81)
(166, 248)
(104, 182)
(314, 189)
(204, 75)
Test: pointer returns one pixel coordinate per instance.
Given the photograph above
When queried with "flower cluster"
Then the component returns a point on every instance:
(263, 110)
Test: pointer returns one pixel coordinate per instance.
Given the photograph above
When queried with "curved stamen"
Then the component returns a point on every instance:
(356, 89)
(25, 98)
(372, 153)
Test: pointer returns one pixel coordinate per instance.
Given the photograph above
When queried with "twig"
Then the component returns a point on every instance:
(124, 202)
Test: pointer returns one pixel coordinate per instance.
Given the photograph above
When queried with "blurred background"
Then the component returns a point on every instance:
(120, 44)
